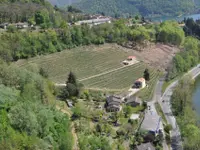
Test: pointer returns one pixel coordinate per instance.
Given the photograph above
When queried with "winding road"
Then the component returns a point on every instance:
(176, 142)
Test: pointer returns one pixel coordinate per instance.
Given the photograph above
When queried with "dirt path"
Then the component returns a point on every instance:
(75, 147)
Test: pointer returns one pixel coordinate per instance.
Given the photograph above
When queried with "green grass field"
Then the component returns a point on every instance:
(86, 62)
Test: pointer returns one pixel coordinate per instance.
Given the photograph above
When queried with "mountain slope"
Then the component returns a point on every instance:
(62, 2)
(143, 7)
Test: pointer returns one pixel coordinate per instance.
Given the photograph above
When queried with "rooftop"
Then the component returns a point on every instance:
(114, 98)
(131, 57)
(133, 99)
(94, 20)
(140, 80)
(135, 116)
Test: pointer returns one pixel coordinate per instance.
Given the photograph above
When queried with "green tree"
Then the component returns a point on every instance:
(42, 18)
(71, 79)
(146, 75)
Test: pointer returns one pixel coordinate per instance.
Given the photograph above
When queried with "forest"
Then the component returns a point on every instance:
(29, 119)
(19, 45)
(143, 7)
(37, 12)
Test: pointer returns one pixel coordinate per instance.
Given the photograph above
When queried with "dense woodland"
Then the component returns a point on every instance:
(16, 44)
(142, 7)
(37, 12)
(28, 117)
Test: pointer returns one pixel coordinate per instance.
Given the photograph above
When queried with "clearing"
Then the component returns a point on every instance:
(100, 67)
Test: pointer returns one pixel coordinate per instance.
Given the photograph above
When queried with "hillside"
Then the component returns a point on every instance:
(63, 2)
(143, 7)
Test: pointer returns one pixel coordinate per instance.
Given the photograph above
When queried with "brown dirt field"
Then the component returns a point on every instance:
(157, 55)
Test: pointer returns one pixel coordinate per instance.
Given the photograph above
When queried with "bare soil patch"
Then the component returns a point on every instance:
(157, 55)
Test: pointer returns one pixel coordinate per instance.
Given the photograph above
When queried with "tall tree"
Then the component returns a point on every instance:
(71, 79)
(146, 75)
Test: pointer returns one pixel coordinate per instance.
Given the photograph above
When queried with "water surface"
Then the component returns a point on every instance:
(196, 96)
(180, 18)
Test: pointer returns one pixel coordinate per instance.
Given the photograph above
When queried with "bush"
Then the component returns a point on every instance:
(168, 128)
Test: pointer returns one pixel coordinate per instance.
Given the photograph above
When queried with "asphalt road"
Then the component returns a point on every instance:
(156, 98)
(166, 107)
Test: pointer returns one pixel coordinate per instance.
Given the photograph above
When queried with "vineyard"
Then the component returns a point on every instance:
(83, 61)
(98, 68)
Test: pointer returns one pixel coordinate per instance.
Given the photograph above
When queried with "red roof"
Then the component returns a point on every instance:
(131, 57)
(140, 80)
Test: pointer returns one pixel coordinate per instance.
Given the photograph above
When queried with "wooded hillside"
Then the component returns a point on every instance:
(143, 7)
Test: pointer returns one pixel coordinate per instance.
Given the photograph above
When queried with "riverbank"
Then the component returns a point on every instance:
(196, 96)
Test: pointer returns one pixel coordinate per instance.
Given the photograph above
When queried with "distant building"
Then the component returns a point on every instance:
(92, 22)
(140, 83)
(130, 60)
(134, 101)
(113, 103)
(21, 25)
(4, 25)
(145, 146)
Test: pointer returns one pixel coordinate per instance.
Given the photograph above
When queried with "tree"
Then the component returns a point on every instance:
(146, 75)
(43, 73)
(168, 128)
(71, 79)
(72, 90)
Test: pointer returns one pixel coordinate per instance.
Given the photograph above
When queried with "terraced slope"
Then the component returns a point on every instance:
(97, 68)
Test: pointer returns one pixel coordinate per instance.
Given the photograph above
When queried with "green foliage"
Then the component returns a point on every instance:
(170, 32)
(182, 108)
(126, 8)
(168, 128)
(93, 143)
(146, 75)
(71, 79)
(8, 96)
(28, 121)
(190, 57)
(11, 29)
(42, 18)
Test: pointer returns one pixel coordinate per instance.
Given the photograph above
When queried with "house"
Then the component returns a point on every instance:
(140, 83)
(96, 21)
(145, 146)
(152, 121)
(113, 103)
(130, 60)
(4, 25)
(134, 101)
(21, 25)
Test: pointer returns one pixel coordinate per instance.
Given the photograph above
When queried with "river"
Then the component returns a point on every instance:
(196, 96)
(163, 18)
